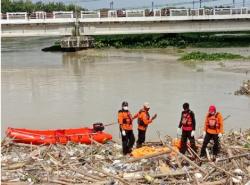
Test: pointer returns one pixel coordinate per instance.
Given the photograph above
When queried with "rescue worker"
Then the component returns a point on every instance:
(144, 120)
(213, 129)
(126, 127)
(187, 128)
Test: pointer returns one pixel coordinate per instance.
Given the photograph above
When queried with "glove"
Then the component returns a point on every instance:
(204, 134)
(179, 131)
(220, 135)
(123, 133)
(192, 133)
(154, 117)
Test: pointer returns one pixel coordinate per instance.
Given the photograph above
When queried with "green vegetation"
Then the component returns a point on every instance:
(201, 40)
(201, 56)
(28, 6)
(247, 145)
(139, 41)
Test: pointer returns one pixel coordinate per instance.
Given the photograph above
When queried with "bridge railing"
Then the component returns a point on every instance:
(179, 12)
(135, 13)
(157, 12)
(89, 14)
(16, 15)
(171, 12)
(37, 15)
(63, 14)
(126, 13)
(112, 13)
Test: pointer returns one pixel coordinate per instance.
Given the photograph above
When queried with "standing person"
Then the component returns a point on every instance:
(213, 129)
(187, 128)
(126, 128)
(144, 120)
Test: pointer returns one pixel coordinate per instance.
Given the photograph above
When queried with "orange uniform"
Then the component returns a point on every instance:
(143, 119)
(214, 124)
(125, 120)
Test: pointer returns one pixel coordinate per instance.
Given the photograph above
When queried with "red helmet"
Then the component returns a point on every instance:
(212, 109)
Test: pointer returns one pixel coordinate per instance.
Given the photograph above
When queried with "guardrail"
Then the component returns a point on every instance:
(125, 13)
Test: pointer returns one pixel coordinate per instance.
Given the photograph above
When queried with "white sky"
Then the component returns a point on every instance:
(97, 4)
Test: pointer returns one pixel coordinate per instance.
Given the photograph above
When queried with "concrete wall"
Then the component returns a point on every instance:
(23, 30)
(164, 27)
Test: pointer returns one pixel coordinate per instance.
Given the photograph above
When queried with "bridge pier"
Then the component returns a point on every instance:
(75, 43)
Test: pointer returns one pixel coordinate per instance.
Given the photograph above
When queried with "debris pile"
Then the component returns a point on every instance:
(244, 89)
(100, 164)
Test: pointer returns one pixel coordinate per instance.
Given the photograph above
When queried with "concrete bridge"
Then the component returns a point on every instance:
(126, 22)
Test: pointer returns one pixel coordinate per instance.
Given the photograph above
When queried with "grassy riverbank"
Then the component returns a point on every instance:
(202, 40)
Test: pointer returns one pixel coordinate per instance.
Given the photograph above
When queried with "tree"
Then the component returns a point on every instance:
(28, 6)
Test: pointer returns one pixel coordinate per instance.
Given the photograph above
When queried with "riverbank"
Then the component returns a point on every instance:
(104, 164)
(180, 40)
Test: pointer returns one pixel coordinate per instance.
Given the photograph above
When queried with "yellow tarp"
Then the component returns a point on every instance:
(146, 150)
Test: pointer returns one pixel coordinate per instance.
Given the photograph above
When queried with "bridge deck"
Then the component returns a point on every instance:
(133, 22)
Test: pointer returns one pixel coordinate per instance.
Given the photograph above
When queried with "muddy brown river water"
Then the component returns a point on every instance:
(43, 90)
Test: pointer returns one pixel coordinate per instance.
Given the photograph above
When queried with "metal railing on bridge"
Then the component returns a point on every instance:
(164, 12)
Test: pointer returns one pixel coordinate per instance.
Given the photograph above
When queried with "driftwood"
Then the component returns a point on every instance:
(99, 164)
(93, 178)
(183, 156)
(234, 157)
(208, 174)
(58, 182)
(218, 168)
(220, 182)
(110, 175)
(172, 174)
(230, 155)
(244, 89)
(193, 152)
(14, 166)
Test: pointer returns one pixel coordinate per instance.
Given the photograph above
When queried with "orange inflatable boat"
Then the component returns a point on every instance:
(38, 137)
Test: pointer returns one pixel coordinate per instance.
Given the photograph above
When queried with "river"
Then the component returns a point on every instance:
(45, 90)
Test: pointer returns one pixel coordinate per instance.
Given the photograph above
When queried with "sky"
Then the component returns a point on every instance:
(129, 4)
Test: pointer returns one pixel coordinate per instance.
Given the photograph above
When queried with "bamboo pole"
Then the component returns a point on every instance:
(226, 172)
(230, 155)
(109, 175)
(220, 182)
(172, 174)
(234, 157)
(95, 178)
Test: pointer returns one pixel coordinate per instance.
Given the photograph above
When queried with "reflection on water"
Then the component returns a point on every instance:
(61, 90)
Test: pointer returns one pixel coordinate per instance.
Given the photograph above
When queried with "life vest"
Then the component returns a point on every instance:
(125, 119)
(141, 124)
(187, 123)
(213, 122)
